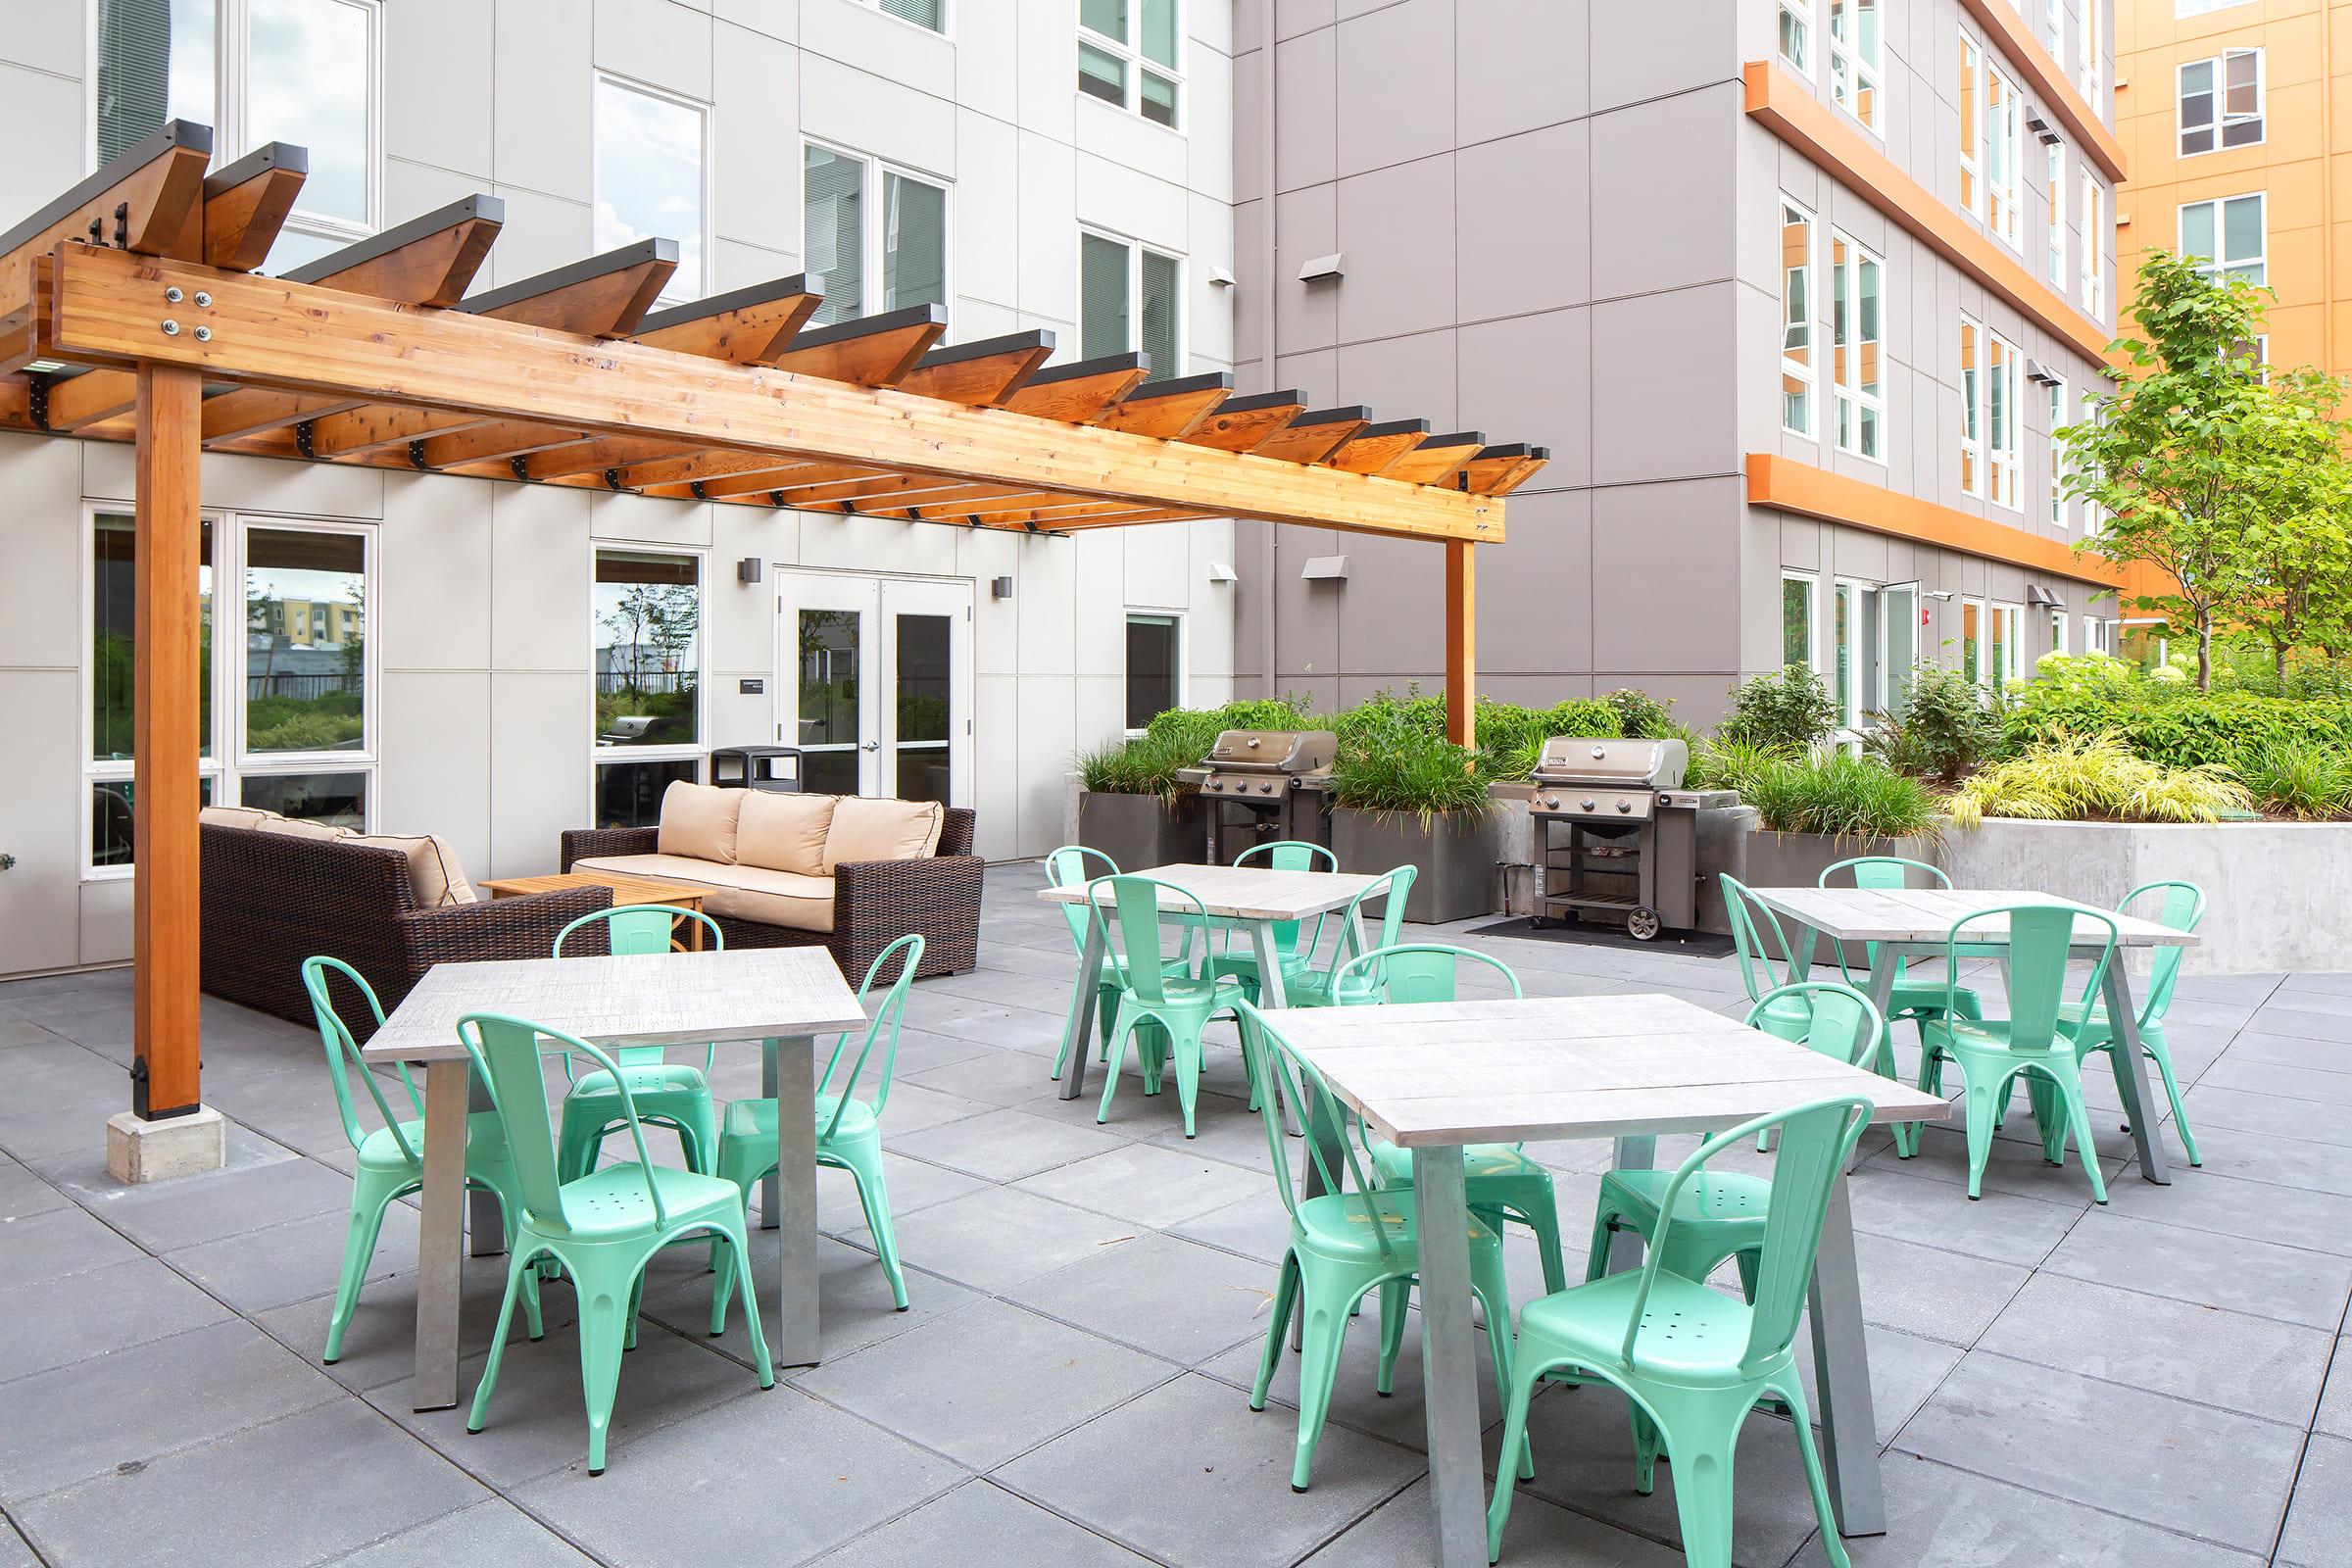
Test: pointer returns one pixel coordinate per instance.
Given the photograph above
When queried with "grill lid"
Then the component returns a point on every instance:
(1619, 763)
(1272, 751)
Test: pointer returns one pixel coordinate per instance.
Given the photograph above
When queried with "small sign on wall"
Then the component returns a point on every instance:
(750, 686)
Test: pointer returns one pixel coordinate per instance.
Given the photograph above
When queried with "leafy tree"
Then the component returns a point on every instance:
(2203, 468)
(2300, 555)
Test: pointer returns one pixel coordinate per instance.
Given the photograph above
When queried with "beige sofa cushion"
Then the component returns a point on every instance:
(235, 816)
(303, 828)
(434, 872)
(733, 892)
(699, 821)
(882, 830)
(783, 832)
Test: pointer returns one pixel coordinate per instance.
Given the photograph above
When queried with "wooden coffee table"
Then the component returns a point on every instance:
(626, 889)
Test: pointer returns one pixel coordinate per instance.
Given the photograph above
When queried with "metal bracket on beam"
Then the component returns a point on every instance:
(971, 519)
(302, 438)
(914, 514)
(416, 456)
(122, 225)
(612, 479)
(36, 401)
(776, 498)
(693, 488)
(519, 468)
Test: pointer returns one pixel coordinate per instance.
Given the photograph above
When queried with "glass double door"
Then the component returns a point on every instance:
(874, 683)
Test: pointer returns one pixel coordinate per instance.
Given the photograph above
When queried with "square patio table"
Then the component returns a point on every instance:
(1435, 1076)
(1917, 923)
(781, 997)
(1258, 898)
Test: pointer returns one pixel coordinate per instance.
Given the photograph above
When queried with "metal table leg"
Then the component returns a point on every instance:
(771, 1203)
(794, 1214)
(1077, 1033)
(1271, 994)
(1625, 1244)
(441, 1235)
(1849, 1447)
(2139, 1103)
(1449, 1355)
(485, 1216)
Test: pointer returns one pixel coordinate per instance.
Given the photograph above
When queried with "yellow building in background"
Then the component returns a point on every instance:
(2234, 115)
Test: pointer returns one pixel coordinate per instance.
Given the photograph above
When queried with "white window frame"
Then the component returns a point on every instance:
(1135, 294)
(1972, 404)
(1983, 655)
(250, 764)
(2011, 617)
(2224, 264)
(2054, 169)
(1811, 582)
(232, 137)
(2223, 119)
(1862, 621)
(2004, 195)
(2054, 19)
(947, 18)
(2087, 71)
(2099, 635)
(2004, 459)
(1865, 74)
(1972, 136)
(1851, 272)
(699, 752)
(2056, 404)
(1184, 654)
(2095, 245)
(1133, 56)
(1808, 371)
(672, 292)
(872, 265)
(1797, 20)
(2058, 619)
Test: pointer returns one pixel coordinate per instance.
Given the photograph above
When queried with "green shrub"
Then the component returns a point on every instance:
(1640, 714)
(2299, 779)
(1835, 792)
(1391, 764)
(2179, 727)
(304, 731)
(1144, 765)
(1788, 712)
(1944, 727)
(1726, 764)
(2069, 779)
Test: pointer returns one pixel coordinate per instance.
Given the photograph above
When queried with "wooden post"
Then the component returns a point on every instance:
(1462, 643)
(166, 739)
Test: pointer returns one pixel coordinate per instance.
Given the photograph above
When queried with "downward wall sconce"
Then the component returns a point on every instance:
(1324, 268)
(1000, 588)
(1221, 277)
(1324, 568)
(2042, 598)
(748, 570)
(1219, 571)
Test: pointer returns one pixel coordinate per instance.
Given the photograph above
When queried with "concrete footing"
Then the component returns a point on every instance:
(140, 1150)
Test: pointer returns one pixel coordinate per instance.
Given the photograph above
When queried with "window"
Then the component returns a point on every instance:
(2054, 261)
(1154, 669)
(1797, 620)
(1854, 679)
(1972, 127)
(1855, 58)
(927, 14)
(1971, 639)
(1796, 35)
(1972, 406)
(2098, 635)
(2053, 22)
(2094, 246)
(1127, 55)
(2003, 178)
(2057, 628)
(2004, 411)
(1899, 643)
(2057, 476)
(2005, 653)
(648, 661)
(256, 71)
(2227, 236)
(841, 229)
(2221, 102)
(1855, 348)
(1796, 318)
(1112, 275)
(649, 177)
(2087, 46)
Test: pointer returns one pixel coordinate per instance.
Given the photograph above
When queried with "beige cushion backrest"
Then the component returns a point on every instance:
(434, 872)
(303, 828)
(234, 816)
(882, 830)
(783, 832)
(699, 821)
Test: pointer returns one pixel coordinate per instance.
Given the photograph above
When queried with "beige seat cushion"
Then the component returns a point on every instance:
(235, 816)
(783, 832)
(699, 821)
(434, 872)
(303, 828)
(733, 892)
(882, 830)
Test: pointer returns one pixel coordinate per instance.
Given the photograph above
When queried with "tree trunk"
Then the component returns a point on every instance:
(2205, 652)
(2279, 665)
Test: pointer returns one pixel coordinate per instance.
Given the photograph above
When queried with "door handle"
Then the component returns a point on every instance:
(870, 746)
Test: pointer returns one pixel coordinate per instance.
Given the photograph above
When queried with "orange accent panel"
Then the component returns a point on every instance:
(1780, 102)
(1787, 485)
(2007, 32)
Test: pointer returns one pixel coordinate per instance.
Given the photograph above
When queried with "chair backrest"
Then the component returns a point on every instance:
(1882, 872)
(1137, 904)
(343, 1054)
(509, 1050)
(1291, 1079)
(1393, 887)
(1816, 1140)
(2042, 941)
(881, 1025)
(1290, 855)
(2183, 909)
(1753, 925)
(632, 930)
(1074, 865)
(1416, 971)
(1845, 1024)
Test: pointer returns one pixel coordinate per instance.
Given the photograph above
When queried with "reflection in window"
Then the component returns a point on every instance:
(649, 177)
(1112, 276)
(1153, 670)
(306, 635)
(629, 793)
(827, 703)
(1855, 307)
(922, 689)
(1796, 621)
(1128, 53)
(2227, 89)
(307, 79)
(338, 799)
(113, 822)
(1856, 57)
(648, 654)
(2225, 236)
(833, 231)
(155, 63)
(114, 634)
(914, 242)
(1796, 318)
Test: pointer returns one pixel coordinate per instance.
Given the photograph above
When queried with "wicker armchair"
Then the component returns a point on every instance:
(271, 899)
(874, 902)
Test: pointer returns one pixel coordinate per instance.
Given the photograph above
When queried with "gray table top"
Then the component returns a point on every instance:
(1927, 915)
(1243, 891)
(1456, 1072)
(672, 999)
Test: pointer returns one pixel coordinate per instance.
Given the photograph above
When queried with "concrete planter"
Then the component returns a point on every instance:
(2276, 892)
(1141, 831)
(1455, 853)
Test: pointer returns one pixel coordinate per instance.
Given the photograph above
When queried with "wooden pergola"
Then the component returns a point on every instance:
(131, 310)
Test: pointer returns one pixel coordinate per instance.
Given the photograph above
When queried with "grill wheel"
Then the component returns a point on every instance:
(1643, 924)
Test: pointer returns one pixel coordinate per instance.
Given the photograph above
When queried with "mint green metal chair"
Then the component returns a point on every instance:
(1295, 941)
(1179, 996)
(849, 1130)
(1320, 988)
(1720, 1214)
(603, 1227)
(1352, 1239)
(1761, 942)
(2183, 909)
(391, 1159)
(1691, 1361)
(668, 1093)
(1075, 865)
(1504, 1183)
(2037, 1041)
(1910, 999)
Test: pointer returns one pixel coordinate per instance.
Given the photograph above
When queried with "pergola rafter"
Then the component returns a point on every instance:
(130, 309)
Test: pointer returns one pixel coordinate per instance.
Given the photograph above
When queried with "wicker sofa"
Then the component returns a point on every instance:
(852, 907)
(270, 899)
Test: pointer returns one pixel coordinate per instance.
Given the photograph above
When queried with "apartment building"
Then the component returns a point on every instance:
(497, 663)
(1796, 292)
(2229, 111)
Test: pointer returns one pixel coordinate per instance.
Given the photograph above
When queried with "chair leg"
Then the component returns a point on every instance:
(1118, 1055)
(1517, 1393)
(1542, 1212)
(2162, 1057)
(1597, 1254)
(865, 1162)
(369, 1201)
(1794, 1396)
(1493, 1294)
(1982, 1106)
(1318, 1370)
(739, 1251)
(1702, 1487)
(1187, 1070)
(1278, 1328)
(1906, 1133)
(518, 1263)
(1393, 1296)
(2065, 1083)
(1646, 1443)
(604, 1326)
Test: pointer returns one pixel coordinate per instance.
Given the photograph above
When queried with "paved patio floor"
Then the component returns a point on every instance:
(2145, 1385)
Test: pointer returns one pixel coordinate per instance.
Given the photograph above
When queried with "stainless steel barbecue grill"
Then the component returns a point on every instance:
(1616, 832)
(1261, 785)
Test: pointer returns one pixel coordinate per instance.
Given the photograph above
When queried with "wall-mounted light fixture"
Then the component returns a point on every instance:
(1322, 268)
(1221, 277)
(748, 570)
(1219, 571)
(1324, 568)
(1942, 594)
(2042, 598)
(1000, 588)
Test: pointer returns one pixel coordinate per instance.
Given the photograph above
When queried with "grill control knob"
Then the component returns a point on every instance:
(1551, 802)
(1600, 752)
(1265, 789)
(1586, 802)
(1625, 806)
(1253, 743)
(1215, 784)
